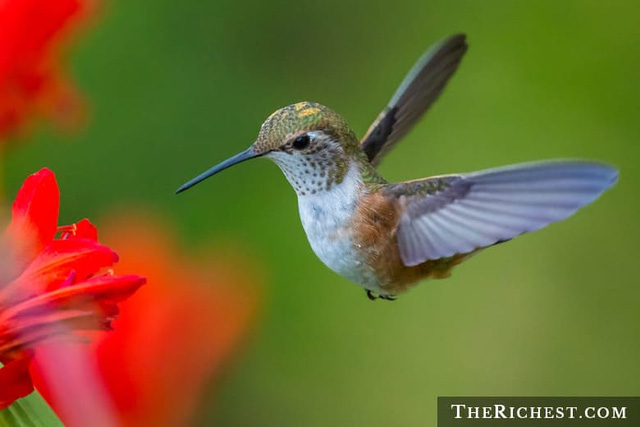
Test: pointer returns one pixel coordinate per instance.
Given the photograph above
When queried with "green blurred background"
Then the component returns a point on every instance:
(178, 86)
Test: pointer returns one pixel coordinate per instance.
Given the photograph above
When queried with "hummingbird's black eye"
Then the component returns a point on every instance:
(301, 142)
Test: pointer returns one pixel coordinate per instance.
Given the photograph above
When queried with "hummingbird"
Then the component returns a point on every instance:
(386, 237)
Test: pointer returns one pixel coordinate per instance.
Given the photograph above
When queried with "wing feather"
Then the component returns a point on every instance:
(457, 214)
(417, 92)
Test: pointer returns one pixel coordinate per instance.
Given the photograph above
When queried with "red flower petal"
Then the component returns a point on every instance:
(30, 78)
(103, 289)
(34, 216)
(85, 230)
(85, 306)
(194, 315)
(56, 262)
(26, 332)
(15, 380)
(24, 41)
(67, 378)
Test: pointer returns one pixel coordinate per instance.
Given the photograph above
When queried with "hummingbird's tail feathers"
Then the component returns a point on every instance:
(417, 92)
(461, 213)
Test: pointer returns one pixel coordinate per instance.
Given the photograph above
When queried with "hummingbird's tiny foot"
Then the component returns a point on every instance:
(374, 296)
(371, 295)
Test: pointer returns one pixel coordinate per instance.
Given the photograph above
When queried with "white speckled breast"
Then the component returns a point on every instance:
(326, 218)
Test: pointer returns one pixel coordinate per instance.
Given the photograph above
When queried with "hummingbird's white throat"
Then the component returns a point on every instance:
(315, 170)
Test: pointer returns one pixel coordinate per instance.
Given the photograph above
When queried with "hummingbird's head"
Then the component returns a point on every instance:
(310, 143)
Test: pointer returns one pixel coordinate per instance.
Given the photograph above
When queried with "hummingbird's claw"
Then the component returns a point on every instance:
(371, 295)
(374, 296)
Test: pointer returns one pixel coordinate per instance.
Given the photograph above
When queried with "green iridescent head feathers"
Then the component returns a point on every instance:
(292, 120)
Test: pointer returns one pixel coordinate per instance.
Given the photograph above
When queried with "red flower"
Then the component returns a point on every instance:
(50, 286)
(32, 81)
(172, 337)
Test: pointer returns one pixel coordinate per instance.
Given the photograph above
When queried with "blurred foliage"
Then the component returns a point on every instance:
(178, 86)
(30, 411)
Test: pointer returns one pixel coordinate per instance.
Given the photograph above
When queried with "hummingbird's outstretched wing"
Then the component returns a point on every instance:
(457, 214)
(419, 89)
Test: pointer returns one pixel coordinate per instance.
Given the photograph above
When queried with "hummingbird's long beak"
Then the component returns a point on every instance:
(247, 154)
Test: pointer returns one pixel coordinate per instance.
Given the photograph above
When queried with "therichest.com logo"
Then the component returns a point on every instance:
(538, 411)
